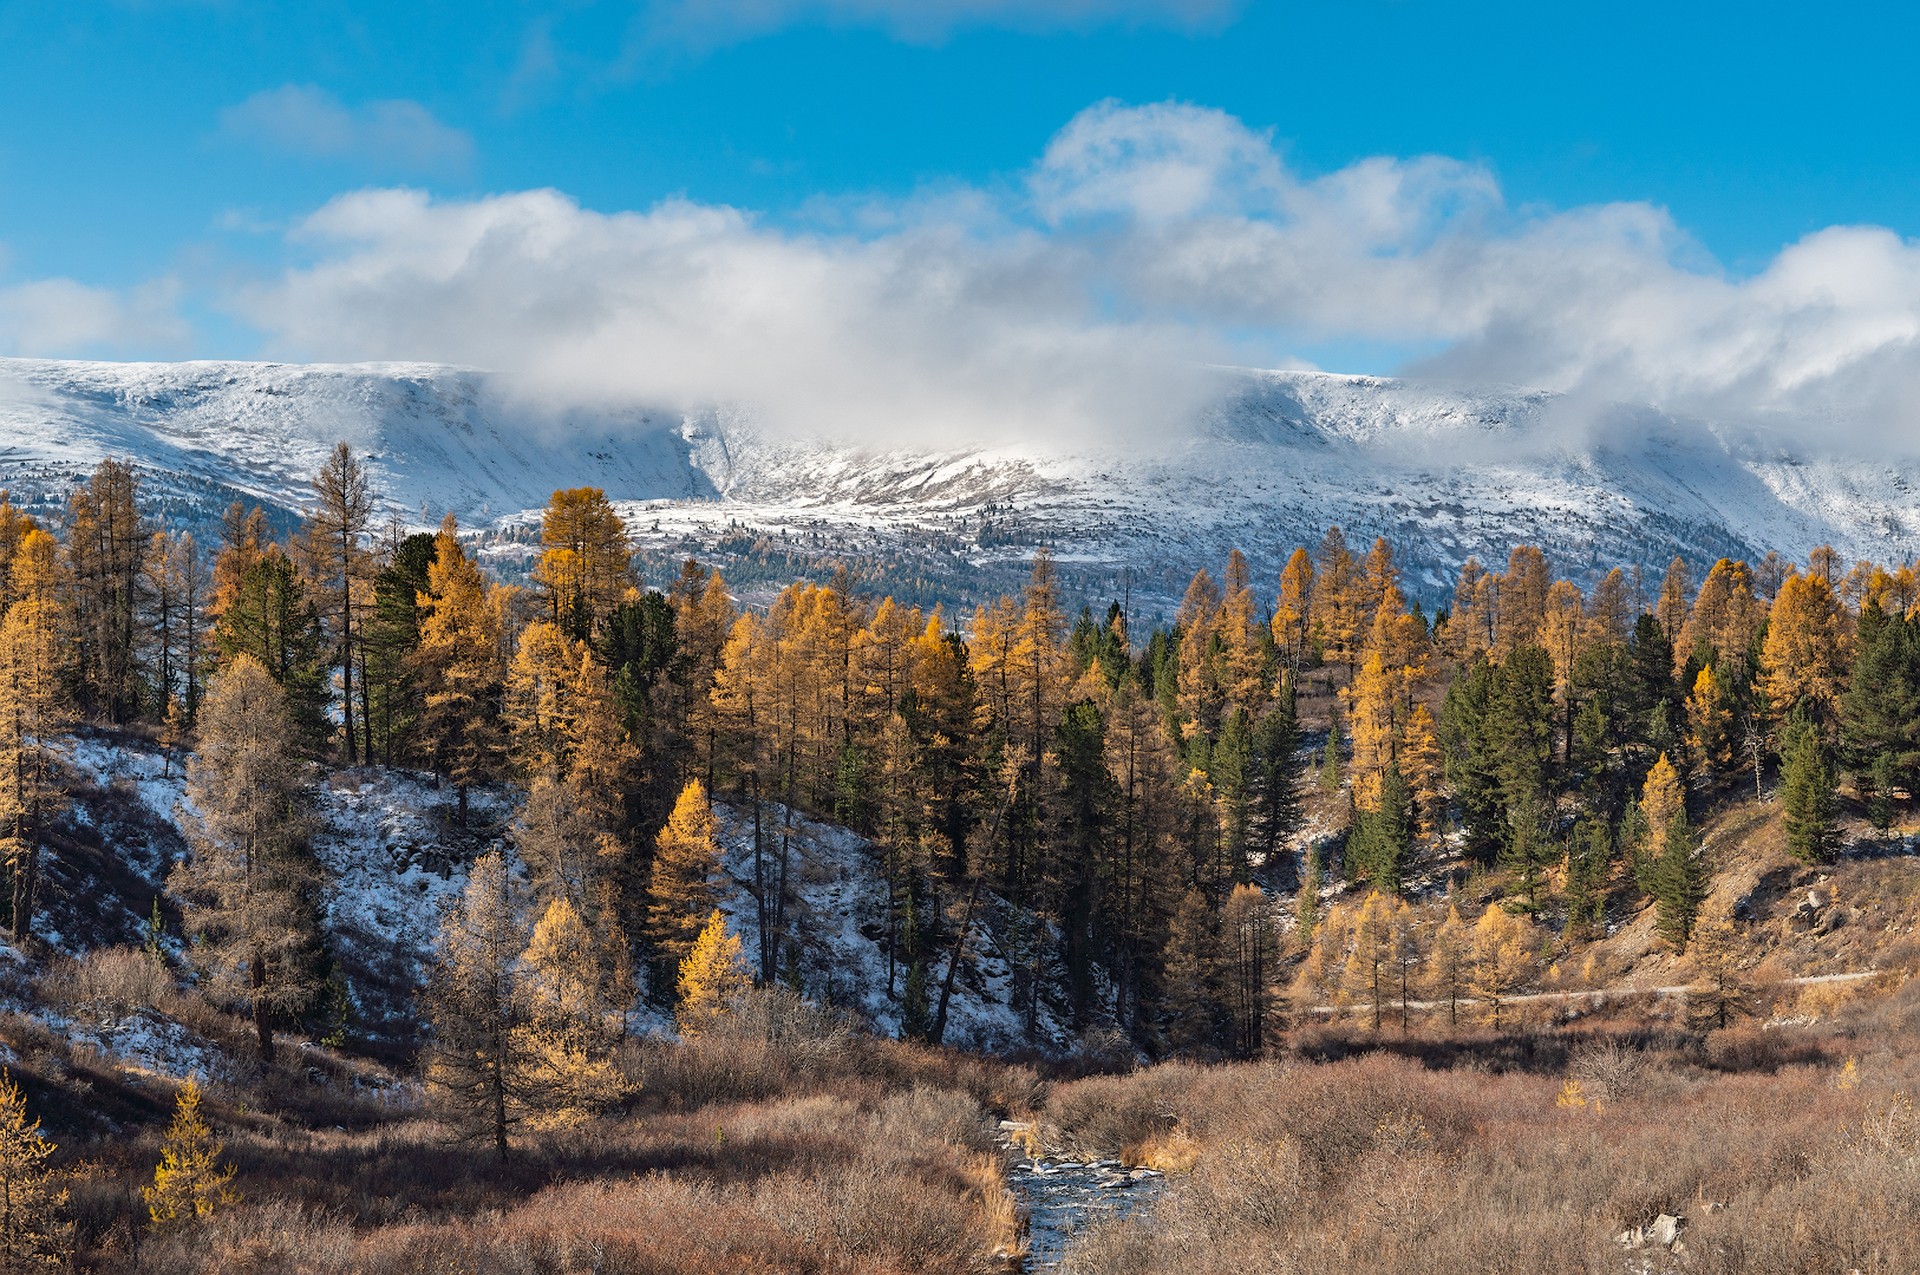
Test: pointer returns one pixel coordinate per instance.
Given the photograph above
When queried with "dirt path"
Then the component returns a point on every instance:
(1601, 993)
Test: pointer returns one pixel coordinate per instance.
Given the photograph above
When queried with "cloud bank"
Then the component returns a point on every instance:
(1080, 300)
(309, 122)
(1144, 241)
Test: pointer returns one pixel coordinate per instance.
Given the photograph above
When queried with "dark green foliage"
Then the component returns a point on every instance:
(1100, 644)
(1381, 843)
(1589, 859)
(1273, 791)
(1529, 849)
(1879, 785)
(1496, 729)
(272, 618)
(1470, 758)
(1880, 714)
(390, 636)
(1679, 880)
(1806, 790)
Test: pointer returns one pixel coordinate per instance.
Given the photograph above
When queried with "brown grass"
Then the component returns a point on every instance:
(1387, 1164)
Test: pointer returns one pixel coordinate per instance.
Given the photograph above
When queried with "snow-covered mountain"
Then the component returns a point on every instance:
(1444, 472)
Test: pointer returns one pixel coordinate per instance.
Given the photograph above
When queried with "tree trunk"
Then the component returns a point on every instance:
(262, 1015)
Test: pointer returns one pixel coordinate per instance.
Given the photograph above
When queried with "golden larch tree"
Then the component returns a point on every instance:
(1293, 610)
(35, 715)
(1805, 656)
(586, 560)
(1662, 800)
(685, 885)
(1503, 959)
(189, 1184)
(476, 1073)
(34, 1231)
(712, 977)
(567, 1036)
(459, 667)
(247, 886)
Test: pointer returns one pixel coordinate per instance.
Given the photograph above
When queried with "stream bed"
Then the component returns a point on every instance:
(1062, 1197)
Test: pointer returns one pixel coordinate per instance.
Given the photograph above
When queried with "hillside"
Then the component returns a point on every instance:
(1281, 455)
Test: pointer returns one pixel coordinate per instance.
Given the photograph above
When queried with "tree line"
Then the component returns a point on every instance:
(1135, 801)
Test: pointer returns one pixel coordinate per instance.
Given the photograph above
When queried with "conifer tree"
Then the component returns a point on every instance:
(1709, 728)
(1252, 959)
(336, 553)
(1135, 877)
(565, 1041)
(1424, 768)
(712, 977)
(1293, 612)
(106, 543)
(1307, 902)
(1662, 801)
(1806, 790)
(474, 1000)
(1370, 962)
(1715, 960)
(249, 885)
(586, 561)
(685, 885)
(1187, 994)
(1679, 882)
(1273, 785)
(189, 1184)
(1450, 964)
(268, 615)
(1502, 959)
(1804, 659)
(460, 668)
(1338, 617)
(34, 1231)
(34, 716)
(1676, 597)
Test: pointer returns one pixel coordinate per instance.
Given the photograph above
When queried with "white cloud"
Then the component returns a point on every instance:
(712, 22)
(391, 136)
(62, 318)
(1146, 240)
(929, 329)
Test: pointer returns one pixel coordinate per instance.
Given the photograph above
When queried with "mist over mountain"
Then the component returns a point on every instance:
(1445, 472)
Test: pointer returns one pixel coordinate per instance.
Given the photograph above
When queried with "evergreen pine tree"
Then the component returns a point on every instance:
(1806, 790)
(1679, 883)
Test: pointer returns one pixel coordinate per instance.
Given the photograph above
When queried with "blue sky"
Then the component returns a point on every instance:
(172, 178)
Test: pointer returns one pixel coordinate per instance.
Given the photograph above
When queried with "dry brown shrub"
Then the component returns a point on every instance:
(107, 983)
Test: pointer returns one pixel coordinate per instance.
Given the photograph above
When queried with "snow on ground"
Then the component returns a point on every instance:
(1444, 471)
(838, 913)
(394, 865)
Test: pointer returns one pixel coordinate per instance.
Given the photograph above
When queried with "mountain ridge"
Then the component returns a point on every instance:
(1445, 472)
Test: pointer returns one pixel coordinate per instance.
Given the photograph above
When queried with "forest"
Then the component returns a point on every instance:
(1307, 801)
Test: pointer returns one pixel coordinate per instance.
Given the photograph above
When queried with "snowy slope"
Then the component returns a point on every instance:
(438, 438)
(1446, 472)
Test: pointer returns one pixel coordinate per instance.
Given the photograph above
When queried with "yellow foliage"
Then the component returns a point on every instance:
(712, 978)
(189, 1183)
(32, 1232)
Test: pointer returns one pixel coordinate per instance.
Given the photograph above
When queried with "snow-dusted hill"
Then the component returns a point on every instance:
(1280, 455)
